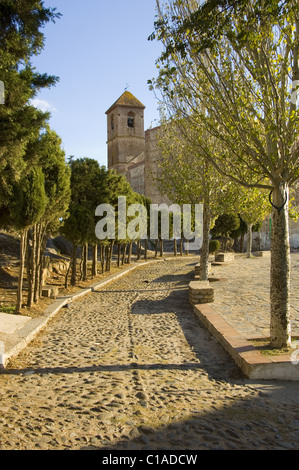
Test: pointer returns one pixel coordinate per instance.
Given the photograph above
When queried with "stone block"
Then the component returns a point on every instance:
(261, 253)
(200, 292)
(223, 257)
(50, 292)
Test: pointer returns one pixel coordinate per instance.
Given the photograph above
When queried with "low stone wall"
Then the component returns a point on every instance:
(261, 253)
(200, 292)
(222, 257)
(50, 291)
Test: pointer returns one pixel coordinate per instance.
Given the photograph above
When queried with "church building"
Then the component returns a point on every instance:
(132, 151)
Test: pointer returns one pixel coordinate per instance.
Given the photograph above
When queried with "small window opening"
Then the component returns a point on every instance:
(112, 122)
(131, 119)
(130, 122)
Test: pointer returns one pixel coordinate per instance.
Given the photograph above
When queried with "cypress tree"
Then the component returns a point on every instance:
(28, 206)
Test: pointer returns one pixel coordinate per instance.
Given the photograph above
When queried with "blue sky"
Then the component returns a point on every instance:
(97, 49)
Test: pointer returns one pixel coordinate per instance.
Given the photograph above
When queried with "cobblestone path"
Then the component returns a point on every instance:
(130, 367)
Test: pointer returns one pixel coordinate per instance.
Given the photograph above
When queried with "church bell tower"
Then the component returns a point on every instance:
(125, 131)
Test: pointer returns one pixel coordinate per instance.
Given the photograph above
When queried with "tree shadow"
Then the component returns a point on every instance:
(172, 303)
(102, 368)
(244, 424)
(179, 279)
(210, 354)
(7, 280)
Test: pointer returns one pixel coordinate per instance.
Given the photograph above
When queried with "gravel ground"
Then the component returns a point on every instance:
(130, 367)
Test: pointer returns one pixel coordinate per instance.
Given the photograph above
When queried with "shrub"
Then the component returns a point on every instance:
(225, 224)
(214, 245)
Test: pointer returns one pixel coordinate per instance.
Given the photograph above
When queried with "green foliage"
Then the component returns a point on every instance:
(225, 224)
(51, 158)
(211, 20)
(21, 37)
(241, 230)
(214, 246)
(235, 63)
(34, 177)
(30, 200)
(256, 227)
(17, 128)
(86, 183)
(8, 309)
(74, 226)
(92, 185)
(20, 27)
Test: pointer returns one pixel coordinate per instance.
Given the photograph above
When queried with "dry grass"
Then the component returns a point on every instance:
(265, 348)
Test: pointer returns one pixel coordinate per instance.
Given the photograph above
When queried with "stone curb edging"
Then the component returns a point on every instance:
(253, 364)
(30, 330)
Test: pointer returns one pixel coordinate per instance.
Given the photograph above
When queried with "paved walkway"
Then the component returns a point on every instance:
(243, 300)
(130, 367)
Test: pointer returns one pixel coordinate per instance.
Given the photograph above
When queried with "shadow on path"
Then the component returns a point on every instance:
(247, 423)
(103, 368)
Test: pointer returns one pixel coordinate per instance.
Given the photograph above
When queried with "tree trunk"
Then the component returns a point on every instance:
(94, 267)
(74, 266)
(225, 242)
(161, 247)
(242, 242)
(40, 249)
(118, 254)
(32, 267)
(102, 251)
(27, 261)
(259, 241)
(37, 265)
(156, 248)
(129, 253)
(67, 276)
(81, 263)
(181, 246)
(85, 261)
(124, 253)
(107, 258)
(23, 245)
(249, 240)
(204, 254)
(145, 249)
(41, 272)
(280, 327)
(138, 250)
(175, 250)
(109, 255)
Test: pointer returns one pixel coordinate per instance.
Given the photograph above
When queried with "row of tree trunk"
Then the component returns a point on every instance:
(102, 257)
(32, 248)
